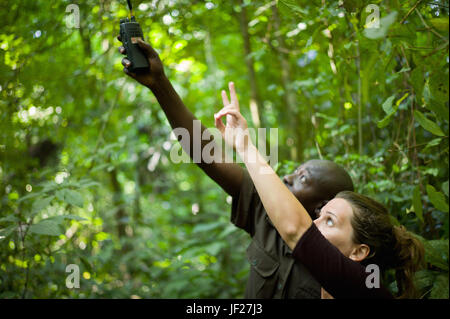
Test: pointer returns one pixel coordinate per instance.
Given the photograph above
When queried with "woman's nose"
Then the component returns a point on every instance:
(317, 221)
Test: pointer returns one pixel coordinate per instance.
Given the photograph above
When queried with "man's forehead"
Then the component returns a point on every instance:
(308, 165)
(305, 168)
(314, 167)
(320, 164)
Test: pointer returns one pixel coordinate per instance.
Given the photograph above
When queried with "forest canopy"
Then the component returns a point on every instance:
(86, 177)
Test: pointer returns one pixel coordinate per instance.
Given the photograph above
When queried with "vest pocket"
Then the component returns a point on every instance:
(263, 274)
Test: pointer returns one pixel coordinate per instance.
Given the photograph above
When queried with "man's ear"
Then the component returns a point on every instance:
(359, 252)
(319, 207)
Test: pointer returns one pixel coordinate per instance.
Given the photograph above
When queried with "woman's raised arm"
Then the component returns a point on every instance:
(287, 214)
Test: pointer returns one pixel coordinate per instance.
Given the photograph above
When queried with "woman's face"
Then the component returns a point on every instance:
(334, 222)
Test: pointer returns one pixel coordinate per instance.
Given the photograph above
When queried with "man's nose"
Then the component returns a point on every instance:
(287, 179)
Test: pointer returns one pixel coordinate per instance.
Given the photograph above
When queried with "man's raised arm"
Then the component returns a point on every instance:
(227, 175)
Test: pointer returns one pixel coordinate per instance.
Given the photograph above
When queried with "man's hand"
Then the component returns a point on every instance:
(156, 70)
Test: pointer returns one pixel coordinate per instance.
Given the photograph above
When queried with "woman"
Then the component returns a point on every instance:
(352, 230)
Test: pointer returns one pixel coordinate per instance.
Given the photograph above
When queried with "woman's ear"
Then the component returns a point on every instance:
(360, 252)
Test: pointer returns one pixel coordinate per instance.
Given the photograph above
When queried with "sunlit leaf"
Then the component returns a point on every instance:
(387, 105)
(433, 142)
(385, 23)
(440, 24)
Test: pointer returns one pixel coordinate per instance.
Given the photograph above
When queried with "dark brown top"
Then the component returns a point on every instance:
(274, 273)
(339, 275)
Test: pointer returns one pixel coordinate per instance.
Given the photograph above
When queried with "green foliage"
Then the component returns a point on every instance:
(437, 199)
(85, 173)
(430, 126)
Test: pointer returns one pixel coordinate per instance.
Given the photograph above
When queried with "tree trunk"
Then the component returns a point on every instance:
(210, 61)
(290, 97)
(118, 203)
(255, 100)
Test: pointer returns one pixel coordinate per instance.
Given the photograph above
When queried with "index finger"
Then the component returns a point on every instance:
(234, 99)
(225, 98)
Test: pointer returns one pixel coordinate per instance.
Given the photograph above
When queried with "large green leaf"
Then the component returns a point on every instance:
(440, 23)
(440, 287)
(433, 142)
(437, 199)
(74, 198)
(387, 105)
(427, 124)
(424, 279)
(435, 95)
(70, 196)
(31, 195)
(389, 110)
(387, 119)
(288, 7)
(46, 227)
(445, 188)
(41, 203)
(61, 194)
(436, 253)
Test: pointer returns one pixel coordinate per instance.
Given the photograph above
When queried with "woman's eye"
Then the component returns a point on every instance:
(329, 222)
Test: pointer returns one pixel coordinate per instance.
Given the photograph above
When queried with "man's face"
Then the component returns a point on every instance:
(303, 184)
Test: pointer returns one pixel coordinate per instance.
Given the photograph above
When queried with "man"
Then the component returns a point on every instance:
(274, 273)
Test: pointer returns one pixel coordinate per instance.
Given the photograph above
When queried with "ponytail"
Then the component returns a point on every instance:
(409, 253)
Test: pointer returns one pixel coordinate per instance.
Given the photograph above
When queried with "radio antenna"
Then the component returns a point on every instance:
(130, 7)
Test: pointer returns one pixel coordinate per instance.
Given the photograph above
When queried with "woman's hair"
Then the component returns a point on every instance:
(391, 247)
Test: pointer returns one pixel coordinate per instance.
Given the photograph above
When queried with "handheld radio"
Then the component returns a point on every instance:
(130, 31)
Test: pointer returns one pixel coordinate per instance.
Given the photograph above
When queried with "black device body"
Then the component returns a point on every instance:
(130, 31)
